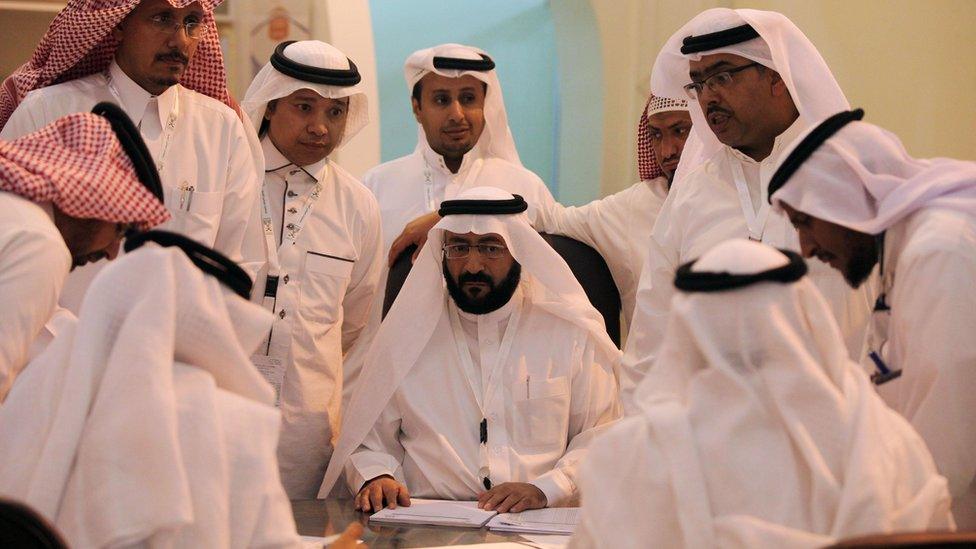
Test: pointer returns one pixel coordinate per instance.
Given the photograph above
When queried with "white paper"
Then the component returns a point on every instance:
(553, 520)
(436, 512)
(272, 370)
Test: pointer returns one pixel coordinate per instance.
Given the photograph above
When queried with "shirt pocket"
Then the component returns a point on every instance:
(195, 213)
(324, 286)
(541, 413)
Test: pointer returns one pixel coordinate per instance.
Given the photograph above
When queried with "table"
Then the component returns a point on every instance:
(324, 517)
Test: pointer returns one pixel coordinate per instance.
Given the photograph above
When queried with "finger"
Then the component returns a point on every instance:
(351, 535)
(523, 504)
(376, 497)
(404, 496)
(396, 249)
(390, 493)
(501, 492)
(483, 497)
(360, 500)
(509, 502)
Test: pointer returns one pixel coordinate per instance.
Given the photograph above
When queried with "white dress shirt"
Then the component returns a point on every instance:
(210, 178)
(325, 288)
(702, 210)
(929, 274)
(545, 401)
(619, 227)
(34, 262)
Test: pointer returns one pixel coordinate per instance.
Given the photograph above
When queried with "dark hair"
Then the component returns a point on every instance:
(415, 94)
(264, 121)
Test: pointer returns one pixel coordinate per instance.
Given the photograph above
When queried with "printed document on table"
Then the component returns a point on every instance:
(551, 520)
(436, 512)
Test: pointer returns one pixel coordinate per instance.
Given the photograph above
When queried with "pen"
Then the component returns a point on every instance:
(527, 387)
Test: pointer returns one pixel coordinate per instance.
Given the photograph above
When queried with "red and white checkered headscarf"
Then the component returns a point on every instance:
(79, 42)
(77, 163)
(647, 166)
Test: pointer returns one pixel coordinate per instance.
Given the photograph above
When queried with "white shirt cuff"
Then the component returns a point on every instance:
(556, 486)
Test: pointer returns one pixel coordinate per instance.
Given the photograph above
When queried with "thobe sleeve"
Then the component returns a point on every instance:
(653, 303)
(365, 277)
(594, 406)
(32, 271)
(380, 453)
(932, 322)
(24, 120)
(240, 218)
(597, 224)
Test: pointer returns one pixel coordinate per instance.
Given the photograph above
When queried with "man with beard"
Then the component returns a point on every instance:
(488, 387)
(619, 226)
(859, 200)
(160, 61)
(69, 193)
(321, 256)
(755, 82)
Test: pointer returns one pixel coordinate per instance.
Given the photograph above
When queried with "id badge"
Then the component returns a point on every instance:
(272, 370)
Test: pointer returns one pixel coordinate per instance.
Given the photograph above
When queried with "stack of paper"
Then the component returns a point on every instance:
(435, 512)
(553, 520)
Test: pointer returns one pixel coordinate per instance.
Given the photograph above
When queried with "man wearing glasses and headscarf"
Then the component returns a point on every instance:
(755, 82)
(160, 61)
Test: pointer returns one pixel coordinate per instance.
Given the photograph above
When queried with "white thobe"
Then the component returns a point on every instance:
(325, 288)
(547, 399)
(930, 257)
(210, 178)
(702, 210)
(619, 227)
(414, 185)
(34, 262)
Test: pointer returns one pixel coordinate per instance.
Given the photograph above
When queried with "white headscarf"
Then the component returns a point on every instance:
(269, 84)
(789, 436)
(90, 430)
(863, 178)
(781, 46)
(496, 139)
(410, 323)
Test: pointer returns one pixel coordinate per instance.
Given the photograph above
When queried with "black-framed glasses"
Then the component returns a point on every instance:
(715, 82)
(165, 24)
(460, 251)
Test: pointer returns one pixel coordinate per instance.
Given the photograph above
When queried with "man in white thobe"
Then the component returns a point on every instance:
(619, 226)
(322, 256)
(69, 193)
(160, 61)
(489, 376)
(144, 424)
(859, 200)
(755, 429)
(755, 82)
(463, 141)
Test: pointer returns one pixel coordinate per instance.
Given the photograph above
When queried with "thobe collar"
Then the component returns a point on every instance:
(436, 161)
(502, 314)
(659, 185)
(276, 161)
(134, 97)
(779, 144)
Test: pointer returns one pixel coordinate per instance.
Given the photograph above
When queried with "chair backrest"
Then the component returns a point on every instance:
(587, 266)
(21, 526)
(910, 540)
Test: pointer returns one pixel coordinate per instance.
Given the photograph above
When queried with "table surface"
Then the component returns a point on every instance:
(324, 517)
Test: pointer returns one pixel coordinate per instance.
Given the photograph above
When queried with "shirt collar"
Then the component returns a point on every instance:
(779, 143)
(274, 161)
(436, 161)
(134, 97)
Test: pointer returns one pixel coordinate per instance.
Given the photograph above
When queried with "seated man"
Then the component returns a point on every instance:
(859, 200)
(144, 423)
(755, 429)
(488, 387)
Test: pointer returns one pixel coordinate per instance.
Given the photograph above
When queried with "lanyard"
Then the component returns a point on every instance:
(291, 231)
(169, 128)
(488, 376)
(429, 201)
(755, 220)
(880, 320)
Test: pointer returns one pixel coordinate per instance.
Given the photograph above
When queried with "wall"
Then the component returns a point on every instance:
(518, 34)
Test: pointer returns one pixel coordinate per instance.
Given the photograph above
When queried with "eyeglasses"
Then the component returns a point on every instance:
(715, 82)
(460, 251)
(165, 24)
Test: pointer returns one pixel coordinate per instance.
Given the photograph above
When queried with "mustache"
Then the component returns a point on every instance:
(716, 109)
(475, 277)
(173, 56)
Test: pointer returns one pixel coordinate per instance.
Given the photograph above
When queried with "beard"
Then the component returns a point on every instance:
(861, 263)
(495, 298)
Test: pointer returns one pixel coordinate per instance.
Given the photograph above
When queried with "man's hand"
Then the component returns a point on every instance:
(350, 538)
(414, 233)
(373, 494)
(512, 497)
